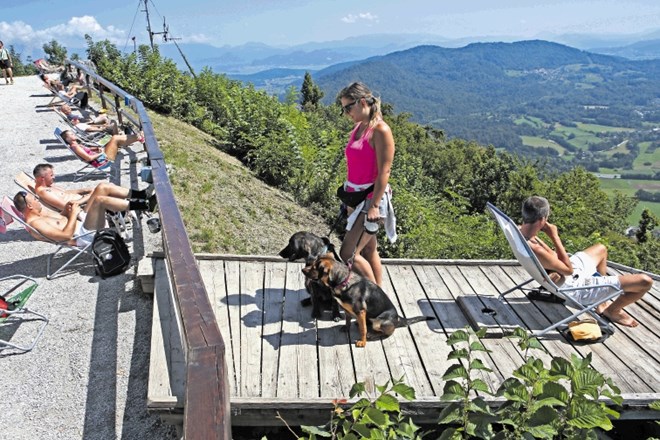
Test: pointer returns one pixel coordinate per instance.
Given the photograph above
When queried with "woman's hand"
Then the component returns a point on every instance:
(373, 214)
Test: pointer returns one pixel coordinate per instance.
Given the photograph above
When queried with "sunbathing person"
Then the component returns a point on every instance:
(44, 177)
(100, 156)
(65, 226)
(88, 124)
(586, 268)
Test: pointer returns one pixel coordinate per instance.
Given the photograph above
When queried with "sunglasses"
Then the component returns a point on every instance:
(347, 108)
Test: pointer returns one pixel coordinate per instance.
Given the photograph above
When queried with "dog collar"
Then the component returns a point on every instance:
(345, 282)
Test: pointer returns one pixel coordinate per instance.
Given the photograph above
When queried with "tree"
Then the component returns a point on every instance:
(20, 68)
(55, 53)
(646, 225)
(311, 93)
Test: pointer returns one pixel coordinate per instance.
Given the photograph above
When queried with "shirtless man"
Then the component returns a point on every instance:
(586, 268)
(44, 177)
(65, 226)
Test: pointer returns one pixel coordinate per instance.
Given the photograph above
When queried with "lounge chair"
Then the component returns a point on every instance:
(18, 310)
(96, 137)
(531, 264)
(116, 219)
(10, 213)
(89, 169)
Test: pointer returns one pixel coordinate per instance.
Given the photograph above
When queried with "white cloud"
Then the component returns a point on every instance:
(196, 38)
(69, 34)
(362, 16)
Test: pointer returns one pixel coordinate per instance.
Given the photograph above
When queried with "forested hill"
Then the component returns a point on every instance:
(457, 89)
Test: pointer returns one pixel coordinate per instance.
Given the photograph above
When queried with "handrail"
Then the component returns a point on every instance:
(206, 410)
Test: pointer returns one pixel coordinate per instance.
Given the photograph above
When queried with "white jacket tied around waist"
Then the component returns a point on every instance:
(385, 207)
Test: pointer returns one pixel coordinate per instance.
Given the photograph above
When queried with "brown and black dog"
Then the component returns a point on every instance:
(309, 247)
(359, 297)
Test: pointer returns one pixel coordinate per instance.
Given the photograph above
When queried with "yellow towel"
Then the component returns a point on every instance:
(585, 330)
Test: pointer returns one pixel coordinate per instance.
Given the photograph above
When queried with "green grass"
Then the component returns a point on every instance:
(644, 158)
(225, 208)
(629, 187)
(535, 141)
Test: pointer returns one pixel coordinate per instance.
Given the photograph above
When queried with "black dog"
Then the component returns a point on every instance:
(309, 247)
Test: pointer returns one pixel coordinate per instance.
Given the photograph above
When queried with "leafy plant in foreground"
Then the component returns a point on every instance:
(369, 418)
(562, 401)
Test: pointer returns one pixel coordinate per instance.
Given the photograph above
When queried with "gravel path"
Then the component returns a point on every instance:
(87, 376)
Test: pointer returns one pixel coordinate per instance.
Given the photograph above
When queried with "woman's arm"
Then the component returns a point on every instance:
(383, 142)
(84, 155)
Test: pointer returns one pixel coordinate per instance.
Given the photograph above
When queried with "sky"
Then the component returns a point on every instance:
(31, 23)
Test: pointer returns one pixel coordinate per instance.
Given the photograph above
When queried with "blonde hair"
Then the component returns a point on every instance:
(358, 90)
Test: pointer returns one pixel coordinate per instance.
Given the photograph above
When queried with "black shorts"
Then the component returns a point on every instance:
(4, 64)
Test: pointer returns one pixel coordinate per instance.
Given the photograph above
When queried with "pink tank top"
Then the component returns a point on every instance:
(361, 162)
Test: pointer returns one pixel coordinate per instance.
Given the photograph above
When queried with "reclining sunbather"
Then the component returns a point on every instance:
(586, 268)
(100, 156)
(58, 198)
(85, 122)
(65, 226)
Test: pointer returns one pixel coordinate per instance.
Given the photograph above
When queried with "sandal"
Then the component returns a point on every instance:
(541, 294)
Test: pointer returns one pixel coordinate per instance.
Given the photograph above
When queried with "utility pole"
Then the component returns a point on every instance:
(166, 37)
(151, 34)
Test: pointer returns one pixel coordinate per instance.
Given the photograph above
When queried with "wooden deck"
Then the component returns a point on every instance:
(280, 359)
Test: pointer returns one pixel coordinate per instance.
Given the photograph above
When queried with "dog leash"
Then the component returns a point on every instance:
(342, 212)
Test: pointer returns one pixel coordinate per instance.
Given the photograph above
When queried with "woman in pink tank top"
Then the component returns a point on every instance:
(369, 157)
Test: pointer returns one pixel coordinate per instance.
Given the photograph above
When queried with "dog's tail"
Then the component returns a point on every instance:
(403, 322)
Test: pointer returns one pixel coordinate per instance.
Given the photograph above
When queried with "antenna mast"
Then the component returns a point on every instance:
(166, 37)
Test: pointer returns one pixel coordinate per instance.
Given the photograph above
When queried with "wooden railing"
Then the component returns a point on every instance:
(206, 410)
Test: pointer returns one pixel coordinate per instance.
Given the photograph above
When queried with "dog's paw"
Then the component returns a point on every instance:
(360, 343)
(306, 302)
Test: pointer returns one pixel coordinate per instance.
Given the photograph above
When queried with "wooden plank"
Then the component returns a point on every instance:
(213, 274)
(371, 365)
(251, 288)
(400, 348)
(413, 301)
(616, 346)
(336, 370)
(274, 282)
(233, 283)
(450, 318)
(166, 384)
(504, 354)
(298, 360)
(603, 359)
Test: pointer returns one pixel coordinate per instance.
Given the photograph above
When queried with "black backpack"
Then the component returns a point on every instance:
(110, 253)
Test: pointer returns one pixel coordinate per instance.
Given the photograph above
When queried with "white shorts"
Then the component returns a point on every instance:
(83, 240)
(586, 274)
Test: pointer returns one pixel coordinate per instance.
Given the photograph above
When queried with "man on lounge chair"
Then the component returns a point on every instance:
(65, 226)
(585, 268)
(44, 177)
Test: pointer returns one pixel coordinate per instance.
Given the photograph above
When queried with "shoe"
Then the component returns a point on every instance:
(152, 202)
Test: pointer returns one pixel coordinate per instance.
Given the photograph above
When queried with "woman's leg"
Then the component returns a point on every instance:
(116, 142)
(370, 253)
(350, 245)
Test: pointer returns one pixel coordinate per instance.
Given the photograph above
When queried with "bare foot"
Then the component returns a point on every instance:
(621, 317)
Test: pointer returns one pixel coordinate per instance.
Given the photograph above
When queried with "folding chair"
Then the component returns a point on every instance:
(84, 171)
(10, 213)
(98, 137)
(116, 219)
(18, 310)
(531, 264)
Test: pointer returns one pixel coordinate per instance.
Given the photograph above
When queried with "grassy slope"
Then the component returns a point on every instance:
(226, 209)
